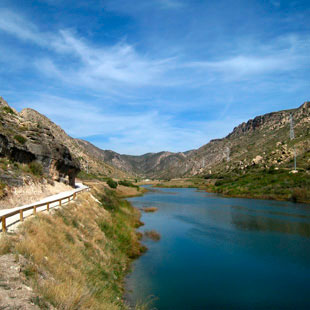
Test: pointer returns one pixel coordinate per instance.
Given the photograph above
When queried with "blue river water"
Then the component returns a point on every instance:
(222, 253)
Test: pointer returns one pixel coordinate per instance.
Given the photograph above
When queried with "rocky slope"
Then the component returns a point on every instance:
(262, 142)
(89, 157)
(151, 165)
(28, 142)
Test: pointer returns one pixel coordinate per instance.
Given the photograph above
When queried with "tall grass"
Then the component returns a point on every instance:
(78, 258)
(270, 184)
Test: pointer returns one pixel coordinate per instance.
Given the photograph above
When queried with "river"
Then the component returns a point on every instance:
(222, 253)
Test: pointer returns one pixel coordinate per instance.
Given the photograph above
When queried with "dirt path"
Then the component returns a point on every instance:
(13, 221)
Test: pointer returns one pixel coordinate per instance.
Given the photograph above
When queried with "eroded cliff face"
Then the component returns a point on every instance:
(89, 156)
(26, 141)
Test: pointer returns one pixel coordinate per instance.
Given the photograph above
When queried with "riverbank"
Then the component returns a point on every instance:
(261, 184)
(78, 257)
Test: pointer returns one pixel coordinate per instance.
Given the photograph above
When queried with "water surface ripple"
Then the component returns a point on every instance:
(223, 253)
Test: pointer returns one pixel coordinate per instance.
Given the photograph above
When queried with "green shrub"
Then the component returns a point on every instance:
(20, 139)
(8, 110)
(128, 184)
(83, 175)
(36, 168)
(112, 183)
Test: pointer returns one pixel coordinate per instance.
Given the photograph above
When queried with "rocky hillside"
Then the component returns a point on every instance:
(151, 165)
(28, 142)
(89, 157)
(262, 142)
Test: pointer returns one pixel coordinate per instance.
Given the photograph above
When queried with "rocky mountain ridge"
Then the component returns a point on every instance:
(89, 158)
(261, 142)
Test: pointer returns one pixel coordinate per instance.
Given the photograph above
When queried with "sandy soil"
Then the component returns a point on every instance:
(14, 292)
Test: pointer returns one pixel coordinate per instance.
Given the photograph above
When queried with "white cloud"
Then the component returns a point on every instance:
(119, 68)
(130, 133)
(286, 54)
(14, 24)
(87, 65)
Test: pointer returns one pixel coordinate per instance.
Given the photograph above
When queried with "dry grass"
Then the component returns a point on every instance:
(33, 192)
(180, 183)
(6, 244)
(78, 257)
(149, 209)
(152, 234)
(125, 191)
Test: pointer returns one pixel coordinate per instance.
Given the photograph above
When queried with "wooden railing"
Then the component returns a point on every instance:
(34, 207)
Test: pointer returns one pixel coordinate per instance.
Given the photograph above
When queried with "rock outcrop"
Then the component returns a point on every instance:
(89, 156)
(25, 141)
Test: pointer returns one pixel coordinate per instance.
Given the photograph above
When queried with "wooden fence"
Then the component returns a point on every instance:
(34, 207)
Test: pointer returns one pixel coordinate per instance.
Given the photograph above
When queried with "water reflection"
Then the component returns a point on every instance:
(221, 253)
(270, 224)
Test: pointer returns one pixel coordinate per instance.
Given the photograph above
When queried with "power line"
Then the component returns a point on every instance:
(292, 136)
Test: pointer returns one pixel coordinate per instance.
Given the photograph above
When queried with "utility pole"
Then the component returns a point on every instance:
(227, 153)
(292, 136)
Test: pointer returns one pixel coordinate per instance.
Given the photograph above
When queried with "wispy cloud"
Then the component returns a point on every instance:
(136, 101)
(110, 67)
(286, 54)
(16, 25)
(132, 133)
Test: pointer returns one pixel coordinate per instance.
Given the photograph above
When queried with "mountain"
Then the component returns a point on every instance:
(88, 155)
(28, 142)
(262, 142)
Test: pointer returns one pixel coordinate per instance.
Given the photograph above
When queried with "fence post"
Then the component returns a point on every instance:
(48, 207)
(34, 210)
(60, 202)
(21, 217)
(3, 224)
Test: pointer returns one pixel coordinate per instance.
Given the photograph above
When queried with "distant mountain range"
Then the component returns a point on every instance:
(261, 142)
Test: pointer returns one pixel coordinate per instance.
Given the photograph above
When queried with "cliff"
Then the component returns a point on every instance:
(27, 141)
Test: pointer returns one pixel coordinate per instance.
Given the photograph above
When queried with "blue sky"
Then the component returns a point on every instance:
(139, 76)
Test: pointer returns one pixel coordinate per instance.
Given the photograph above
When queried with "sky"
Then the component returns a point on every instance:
(139, 76)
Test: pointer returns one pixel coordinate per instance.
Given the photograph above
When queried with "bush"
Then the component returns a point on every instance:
(2, 190)
(128, 184)
(36, 168)
(20, 139)
(300, 195)
(8, 110)
(112, 183)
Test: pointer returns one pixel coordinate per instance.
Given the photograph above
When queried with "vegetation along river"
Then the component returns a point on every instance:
(222, 253)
